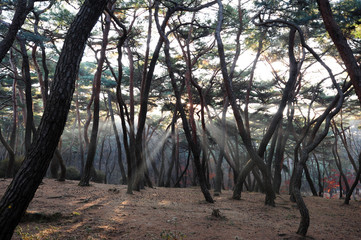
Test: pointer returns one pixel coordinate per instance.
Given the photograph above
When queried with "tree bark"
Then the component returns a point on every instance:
(22, 189)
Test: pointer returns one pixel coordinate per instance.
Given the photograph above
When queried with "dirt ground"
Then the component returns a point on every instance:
(63, 210)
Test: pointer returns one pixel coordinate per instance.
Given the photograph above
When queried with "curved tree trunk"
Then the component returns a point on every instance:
(190, 139)
(296, 194)
(270, 195)
(22, 189)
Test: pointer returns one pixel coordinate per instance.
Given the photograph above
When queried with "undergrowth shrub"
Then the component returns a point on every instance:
(72, 173)
(4, 165)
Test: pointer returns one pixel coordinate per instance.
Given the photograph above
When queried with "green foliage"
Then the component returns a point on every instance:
(4, 165)
(99, 176)
(51, 233)
(348, 15)
(72, 173)
(172, 235)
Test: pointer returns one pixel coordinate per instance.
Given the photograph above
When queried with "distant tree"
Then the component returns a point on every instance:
(84, 181)
(255, 157)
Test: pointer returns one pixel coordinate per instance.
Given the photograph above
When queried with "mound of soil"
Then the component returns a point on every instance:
(64, 210)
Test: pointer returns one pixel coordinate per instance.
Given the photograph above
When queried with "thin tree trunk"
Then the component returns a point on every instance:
(28, 95)
(84, 181)
(61, 177)
(320, 181)
(358, 176)
(117, 139)
(161, 171)
(80, 138)
(174, 150)
(310, 181)
(190, 138)
(11, 149)
(270, 195)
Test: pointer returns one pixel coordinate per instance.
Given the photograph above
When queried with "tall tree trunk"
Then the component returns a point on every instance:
(219, 172)
(320, 178)
(22, 189)
(145, 89)
(277, 179)
(11, 149)
(80, 138)
(190, 139)
(339, 165)
(310, 181)
(174, 150)
(117, 139)
(161, 171)
(270, 195)
(29, 128)
(84, 181)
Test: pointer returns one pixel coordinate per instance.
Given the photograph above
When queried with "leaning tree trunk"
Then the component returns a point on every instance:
(25, 183)
(352, 67)
(22, 10)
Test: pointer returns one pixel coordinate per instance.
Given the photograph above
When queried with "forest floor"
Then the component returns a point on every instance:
(63, 210)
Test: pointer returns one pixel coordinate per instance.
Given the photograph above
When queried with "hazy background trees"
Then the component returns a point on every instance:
(167, 94)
